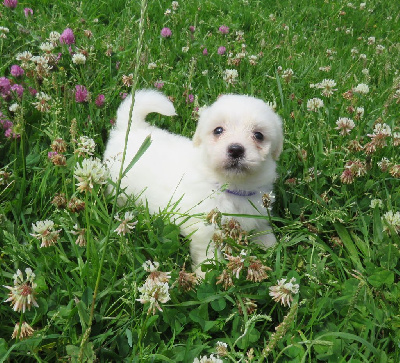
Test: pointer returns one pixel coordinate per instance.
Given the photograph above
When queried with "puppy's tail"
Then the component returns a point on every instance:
(146, 101)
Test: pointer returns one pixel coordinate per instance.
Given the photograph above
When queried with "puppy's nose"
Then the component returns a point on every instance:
(235, 151)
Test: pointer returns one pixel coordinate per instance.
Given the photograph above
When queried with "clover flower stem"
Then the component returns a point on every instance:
(143, 8)
(270, 222)
(23, 182)
(143, 331)
(21, 320)
(88, 239)
(118, 260)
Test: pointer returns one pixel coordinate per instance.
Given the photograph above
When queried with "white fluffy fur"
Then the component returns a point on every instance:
(195, 172)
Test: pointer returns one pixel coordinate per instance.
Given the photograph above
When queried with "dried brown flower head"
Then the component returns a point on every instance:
(187, 280)
(75, 205)
(60, 201)
(225, 279)
(59, 145)
(256, 271)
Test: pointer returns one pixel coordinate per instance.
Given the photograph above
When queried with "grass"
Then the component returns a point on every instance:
(341, 250)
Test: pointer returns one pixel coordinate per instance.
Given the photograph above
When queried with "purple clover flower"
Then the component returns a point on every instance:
(11, 4)
(28, 12)
(205, 51)
(18, 89)
(100, 101)
(81, 94)
(166, 32)
(32, 91)
(158, 84)
(50, 154)
(223, 29)
(190, 98)
(67, 36)
(16, 71)
(5, 87)
(221, 50)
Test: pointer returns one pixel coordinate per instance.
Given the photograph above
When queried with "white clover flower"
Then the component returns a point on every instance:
(314, 104)
(361, 88)
(149, 266)
(185, 49)
(46, 47)
(3, 32)
(272, 105)
(284, 291)
(240, 55)
(287, 74)
(393, 220)
(371, 40)
(154, 292)
(360, 112)
(376, 203)
(327, 87)
(206, 359)
(127, 224)
(384, 164)
(54, 37)
(78, 58)
(90, 173)
(22, 294)
(380, 48)
(345, 125)
(382, 129)
(24, 56)
(86, 146)
(222, 349)
(253, 60)
(152, 65)
(230, 76)
(330, 53)
(325, 68)
(175, 5)
(14, 107)
(81, 233)
(365, 72)
(40, 60)
(44, 231)
(42, 104)
(396, 138)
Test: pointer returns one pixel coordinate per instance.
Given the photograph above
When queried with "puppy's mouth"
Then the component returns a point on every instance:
(236, 166)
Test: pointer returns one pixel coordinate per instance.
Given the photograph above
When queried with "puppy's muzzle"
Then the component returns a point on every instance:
(236, 151)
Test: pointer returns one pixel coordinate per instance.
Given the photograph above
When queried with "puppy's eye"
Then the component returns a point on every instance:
(259, 136)
(218, 131)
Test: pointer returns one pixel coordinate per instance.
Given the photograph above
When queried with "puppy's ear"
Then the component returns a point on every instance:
(197, 139)
(277, 145)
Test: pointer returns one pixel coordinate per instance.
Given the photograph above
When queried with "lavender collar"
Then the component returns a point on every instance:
(241, 193)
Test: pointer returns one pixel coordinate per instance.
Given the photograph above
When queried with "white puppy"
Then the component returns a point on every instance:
(229, 164)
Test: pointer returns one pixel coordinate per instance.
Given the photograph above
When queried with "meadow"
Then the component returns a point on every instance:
(84, 280)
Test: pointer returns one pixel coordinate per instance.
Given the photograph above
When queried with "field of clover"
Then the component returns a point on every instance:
(84, 280)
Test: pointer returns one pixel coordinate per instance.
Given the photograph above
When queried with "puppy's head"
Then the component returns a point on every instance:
(238, 134)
